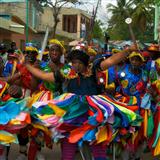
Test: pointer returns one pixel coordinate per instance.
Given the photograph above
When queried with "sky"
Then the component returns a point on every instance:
(102, 11)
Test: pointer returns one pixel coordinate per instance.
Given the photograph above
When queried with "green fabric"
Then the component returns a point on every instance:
(150, 125)
(157, 137)
(117, 122)
(137, 121)
(48, 85)
(47, 110)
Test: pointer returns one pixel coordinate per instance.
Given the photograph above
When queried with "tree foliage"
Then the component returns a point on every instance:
(97, 30)
(141, 12)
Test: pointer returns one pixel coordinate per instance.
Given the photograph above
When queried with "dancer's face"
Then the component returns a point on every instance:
(55, 53)
(78, 66)
(136, 61)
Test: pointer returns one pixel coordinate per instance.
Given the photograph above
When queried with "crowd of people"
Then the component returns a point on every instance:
(85, 99)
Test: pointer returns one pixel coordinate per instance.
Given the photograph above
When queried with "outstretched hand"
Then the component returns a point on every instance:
(21, 58)
(131, 48)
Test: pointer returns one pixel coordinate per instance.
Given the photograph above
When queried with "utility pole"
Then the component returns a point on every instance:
(94, 16)
(27, 20)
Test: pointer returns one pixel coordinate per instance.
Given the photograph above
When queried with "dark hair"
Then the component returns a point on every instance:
(80, 55)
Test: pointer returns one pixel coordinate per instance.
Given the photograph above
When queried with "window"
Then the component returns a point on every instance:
(69, 23)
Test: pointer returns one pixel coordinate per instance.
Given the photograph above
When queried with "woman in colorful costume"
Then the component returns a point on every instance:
(14, 116)
(154, 90)
(81, 81)
(47, 91)
(132, 82)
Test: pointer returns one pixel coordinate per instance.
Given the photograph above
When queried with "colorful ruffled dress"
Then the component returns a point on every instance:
(154, 141)
(131, 90)
(83, 114)
(14, 115)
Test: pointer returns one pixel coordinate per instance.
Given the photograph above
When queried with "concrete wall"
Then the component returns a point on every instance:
(47, 20)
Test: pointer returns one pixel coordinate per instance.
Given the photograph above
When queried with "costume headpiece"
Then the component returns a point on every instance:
(31, 48)
(91, 52)
(57, 42)
(153, 48)
(115, 50)
(133, 54)
(80, 55)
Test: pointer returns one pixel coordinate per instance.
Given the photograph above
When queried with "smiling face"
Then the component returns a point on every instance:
(55, 53)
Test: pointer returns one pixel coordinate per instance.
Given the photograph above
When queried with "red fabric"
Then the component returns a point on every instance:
(78, 133)
(32, 151)
(99, 116)
(66, 127)
(130, 107)
(6, 98)
(140, 86)
(26, 76)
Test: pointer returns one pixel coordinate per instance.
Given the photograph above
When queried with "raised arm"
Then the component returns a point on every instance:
(47, 76)
(116, 58)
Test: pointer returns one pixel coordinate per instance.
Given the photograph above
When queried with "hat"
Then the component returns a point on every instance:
(91, 52)
(57, 42)
(30, 47)
(133, 54)
(115, 50)
(80, 55)
(153, 48)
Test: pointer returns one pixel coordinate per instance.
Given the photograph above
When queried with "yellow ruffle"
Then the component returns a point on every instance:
(157, 148)
(58, 111)
(101, 135)
(7, 138)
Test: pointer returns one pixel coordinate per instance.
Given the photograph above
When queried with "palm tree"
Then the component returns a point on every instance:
(139, 10)
(119, 12)
(142, 13)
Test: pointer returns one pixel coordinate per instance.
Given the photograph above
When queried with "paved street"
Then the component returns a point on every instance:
(55, 153)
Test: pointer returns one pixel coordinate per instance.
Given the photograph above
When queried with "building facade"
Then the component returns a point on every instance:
(19, 13)
(72, 22)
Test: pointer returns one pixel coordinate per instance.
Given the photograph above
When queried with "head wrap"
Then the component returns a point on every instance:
(31, 48)
(115, 50)
(91, 52)
(80, 55)
(57, 42)
(133, 54)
